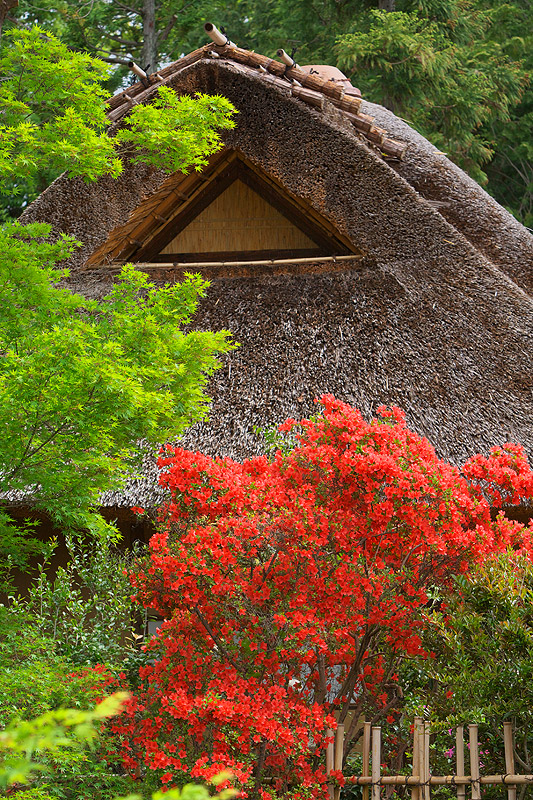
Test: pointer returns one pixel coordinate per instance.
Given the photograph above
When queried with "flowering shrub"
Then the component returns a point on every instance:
(293, 587)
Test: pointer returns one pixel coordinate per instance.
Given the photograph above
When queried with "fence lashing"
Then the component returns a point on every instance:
(421, 780)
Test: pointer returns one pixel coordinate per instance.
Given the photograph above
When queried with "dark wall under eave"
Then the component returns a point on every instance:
(131, 527)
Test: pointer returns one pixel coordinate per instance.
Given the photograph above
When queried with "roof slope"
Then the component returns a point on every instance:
(436, 317)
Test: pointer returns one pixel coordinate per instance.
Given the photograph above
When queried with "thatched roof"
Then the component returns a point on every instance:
(433, 313)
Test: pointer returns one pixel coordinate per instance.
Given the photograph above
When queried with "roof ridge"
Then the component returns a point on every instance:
(303, 86)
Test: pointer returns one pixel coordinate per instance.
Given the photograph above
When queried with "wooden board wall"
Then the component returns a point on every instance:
(239, 220)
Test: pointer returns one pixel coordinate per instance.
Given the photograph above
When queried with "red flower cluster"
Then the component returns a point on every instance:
(292, 586)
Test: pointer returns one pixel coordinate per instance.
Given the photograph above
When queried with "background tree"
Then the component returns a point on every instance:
(142, 30)
(443, 70)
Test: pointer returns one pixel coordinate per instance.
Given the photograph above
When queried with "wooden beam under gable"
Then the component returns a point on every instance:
(142, 223)
(305, 207)
(327, 242)
(178, 199)
(330, 244)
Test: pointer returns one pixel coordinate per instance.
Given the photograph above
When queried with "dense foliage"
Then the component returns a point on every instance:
(482, 636)
(83, 381)
(37, 681)
(294, 588)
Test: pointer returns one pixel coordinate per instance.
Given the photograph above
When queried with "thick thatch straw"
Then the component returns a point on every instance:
(435, 318)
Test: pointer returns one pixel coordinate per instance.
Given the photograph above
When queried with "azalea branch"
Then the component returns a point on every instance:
(215, 638)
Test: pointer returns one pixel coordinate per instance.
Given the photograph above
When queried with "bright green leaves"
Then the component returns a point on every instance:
(177, 132)
(81, 382)
(27, 277)
(52, 110)
(53, 117)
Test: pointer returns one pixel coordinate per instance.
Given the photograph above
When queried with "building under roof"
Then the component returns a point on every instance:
(346, 254)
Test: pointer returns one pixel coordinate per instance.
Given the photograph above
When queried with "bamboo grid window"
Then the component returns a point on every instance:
(239, 220)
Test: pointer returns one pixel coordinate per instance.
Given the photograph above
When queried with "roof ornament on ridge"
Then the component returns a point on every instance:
(218, 37)
(318, 86)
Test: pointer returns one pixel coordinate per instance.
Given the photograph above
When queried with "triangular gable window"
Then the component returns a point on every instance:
(239, 220)
(229, 212)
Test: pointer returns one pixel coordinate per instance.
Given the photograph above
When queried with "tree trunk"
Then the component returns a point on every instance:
(5, 8)
(149, 52)
(387, 5)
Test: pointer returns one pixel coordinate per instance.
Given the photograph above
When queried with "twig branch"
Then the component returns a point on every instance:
(161, 36)
(215, 638)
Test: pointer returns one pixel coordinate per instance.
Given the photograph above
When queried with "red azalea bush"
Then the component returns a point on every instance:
(291, 588)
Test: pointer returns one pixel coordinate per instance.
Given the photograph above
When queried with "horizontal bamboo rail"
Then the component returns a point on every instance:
(261, 263)
(438, 780)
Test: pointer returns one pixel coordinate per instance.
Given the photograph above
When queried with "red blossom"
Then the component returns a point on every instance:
(292, 587)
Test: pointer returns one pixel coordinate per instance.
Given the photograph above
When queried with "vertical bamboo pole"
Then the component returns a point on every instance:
(329, 759)
(509, 756)
(338, 757)
(367, 733)
(416, 791)
(376, 763)
(421, 759)
(460, 760)
(426, 790)
(474, 762)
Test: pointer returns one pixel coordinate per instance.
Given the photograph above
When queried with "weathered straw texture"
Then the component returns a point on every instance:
(461, 200)
(426, 321)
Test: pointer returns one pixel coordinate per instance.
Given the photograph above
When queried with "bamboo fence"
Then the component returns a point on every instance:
(421, 780)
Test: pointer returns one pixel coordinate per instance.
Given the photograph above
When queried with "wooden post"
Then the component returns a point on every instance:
(367, 733)
(426, 789)
(460, 760)
(376, 763)
(474, 762)
(509, 756)
(338, 757)
(329, 759)
(415, 791)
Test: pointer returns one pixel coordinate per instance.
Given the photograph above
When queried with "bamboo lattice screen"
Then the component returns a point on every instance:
(421, 780)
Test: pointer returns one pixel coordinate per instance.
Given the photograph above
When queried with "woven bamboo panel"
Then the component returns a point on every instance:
(238, 220)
